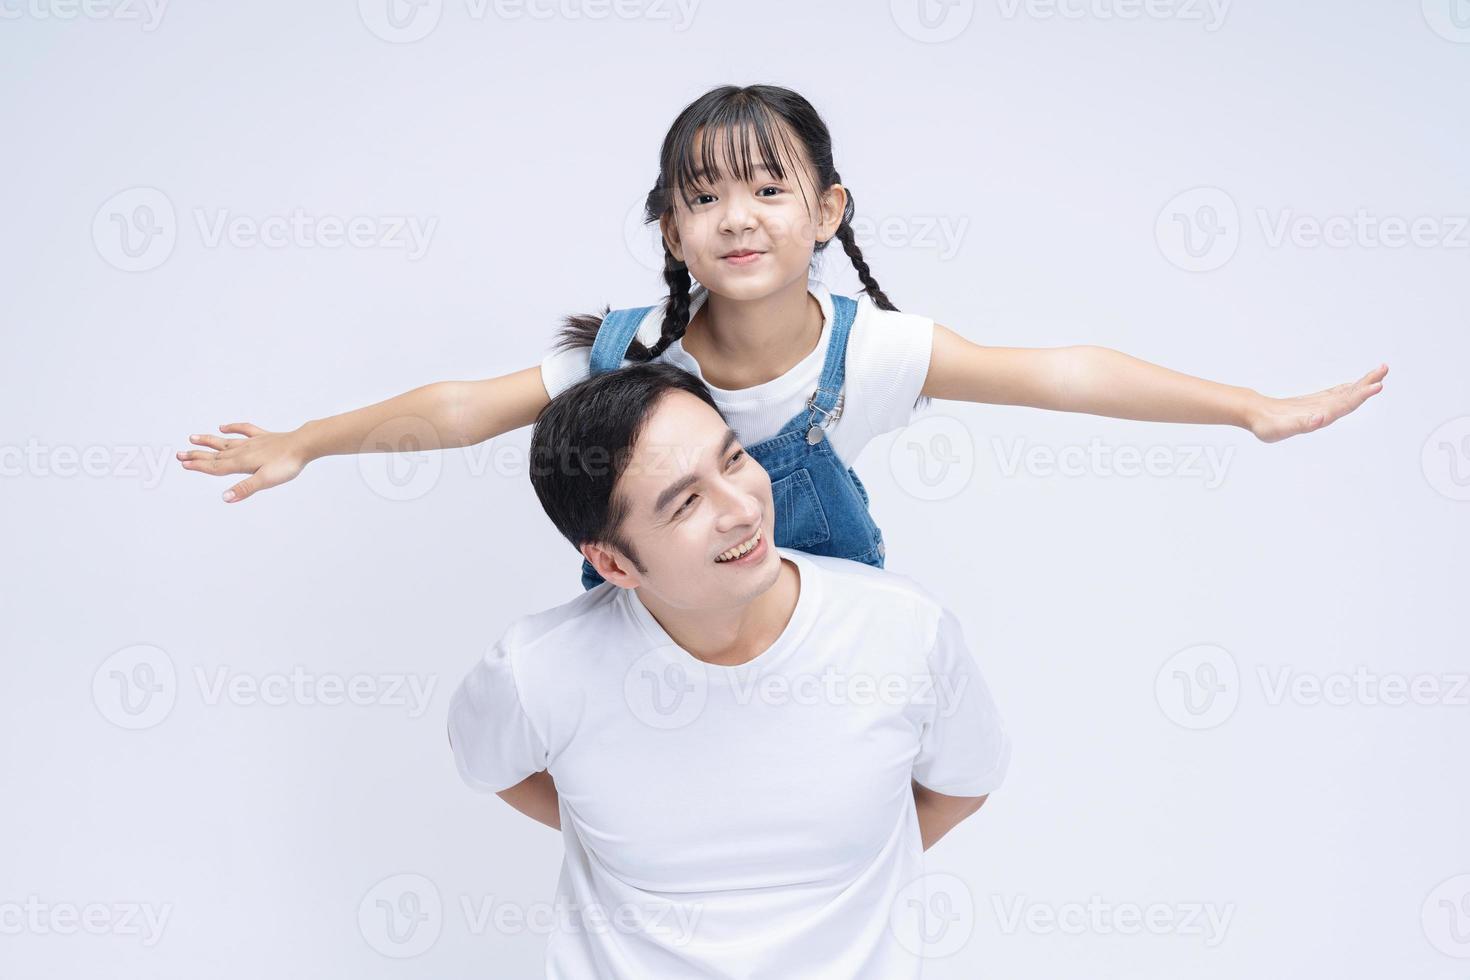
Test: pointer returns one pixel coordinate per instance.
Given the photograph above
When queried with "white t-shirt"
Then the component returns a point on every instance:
(747, 821)
(887, 362)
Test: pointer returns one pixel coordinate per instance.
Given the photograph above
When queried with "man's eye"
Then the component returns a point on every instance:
(685, 505)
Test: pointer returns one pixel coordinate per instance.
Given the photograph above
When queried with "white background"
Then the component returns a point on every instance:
(1331, 834)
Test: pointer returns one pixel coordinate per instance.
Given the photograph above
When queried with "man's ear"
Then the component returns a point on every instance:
(612, 566)
(670, 232)
(833, 204)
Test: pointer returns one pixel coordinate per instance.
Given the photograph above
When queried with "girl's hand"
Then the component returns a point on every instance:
(1274, 419)
(271, 457)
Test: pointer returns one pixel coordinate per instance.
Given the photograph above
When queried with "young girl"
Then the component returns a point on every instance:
(747, 194)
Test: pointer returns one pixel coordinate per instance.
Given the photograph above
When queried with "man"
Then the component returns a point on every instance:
(746, 747)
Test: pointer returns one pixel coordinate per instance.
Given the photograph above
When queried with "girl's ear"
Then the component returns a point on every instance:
(834, 203)
(671, 235)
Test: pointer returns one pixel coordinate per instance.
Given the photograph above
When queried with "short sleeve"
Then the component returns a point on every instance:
(964, 749)
(560, 369)
(563, 368)
(495, 745)
(888, 363)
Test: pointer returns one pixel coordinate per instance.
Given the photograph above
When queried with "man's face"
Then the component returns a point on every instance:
(693, 496)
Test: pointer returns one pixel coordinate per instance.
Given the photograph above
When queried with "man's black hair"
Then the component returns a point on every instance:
(582, 442)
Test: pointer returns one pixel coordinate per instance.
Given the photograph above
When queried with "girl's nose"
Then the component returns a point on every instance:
(738, 215)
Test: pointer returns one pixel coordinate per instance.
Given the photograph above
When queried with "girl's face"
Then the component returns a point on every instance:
(746, 239)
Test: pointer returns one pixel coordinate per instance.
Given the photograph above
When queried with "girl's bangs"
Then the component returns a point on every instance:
(736, 137)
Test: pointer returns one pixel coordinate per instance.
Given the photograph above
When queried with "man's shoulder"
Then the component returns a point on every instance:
(589, 614)
(880, 591)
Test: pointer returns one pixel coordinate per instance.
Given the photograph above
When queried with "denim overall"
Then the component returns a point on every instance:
(821, 505)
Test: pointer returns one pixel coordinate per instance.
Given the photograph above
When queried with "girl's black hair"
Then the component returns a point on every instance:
(729, 116)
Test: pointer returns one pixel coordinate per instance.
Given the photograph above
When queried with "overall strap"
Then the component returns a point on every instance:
(830, 386)
(618, 329)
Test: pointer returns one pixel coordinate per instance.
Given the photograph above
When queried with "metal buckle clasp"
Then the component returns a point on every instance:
(832, 416)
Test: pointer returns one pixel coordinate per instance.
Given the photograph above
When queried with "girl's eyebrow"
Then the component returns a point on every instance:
(701, 175)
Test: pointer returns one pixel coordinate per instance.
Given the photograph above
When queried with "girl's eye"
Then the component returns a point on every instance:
(770, 187)
(737, 456)
(700, 198)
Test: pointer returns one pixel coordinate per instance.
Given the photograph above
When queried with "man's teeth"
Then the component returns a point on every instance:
(741, 549)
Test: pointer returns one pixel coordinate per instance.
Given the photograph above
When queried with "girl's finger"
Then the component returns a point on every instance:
(188, 455)
(243, 428)
(213, 442)
(242, 490)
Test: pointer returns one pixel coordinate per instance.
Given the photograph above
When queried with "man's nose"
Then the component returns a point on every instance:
(738, 508)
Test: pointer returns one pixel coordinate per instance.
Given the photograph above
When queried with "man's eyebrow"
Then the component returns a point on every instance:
(679, 486)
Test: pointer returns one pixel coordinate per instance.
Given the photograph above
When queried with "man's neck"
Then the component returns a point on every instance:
(733, 636)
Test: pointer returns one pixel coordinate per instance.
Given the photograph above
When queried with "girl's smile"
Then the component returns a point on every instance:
(742, 258)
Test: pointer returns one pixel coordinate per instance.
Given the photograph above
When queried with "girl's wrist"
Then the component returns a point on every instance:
(309, 437)
(1249, 407)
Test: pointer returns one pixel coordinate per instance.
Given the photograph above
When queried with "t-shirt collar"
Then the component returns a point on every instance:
(808, 600)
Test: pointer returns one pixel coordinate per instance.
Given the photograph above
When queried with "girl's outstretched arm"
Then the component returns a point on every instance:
(1100, 381)
(443, 415)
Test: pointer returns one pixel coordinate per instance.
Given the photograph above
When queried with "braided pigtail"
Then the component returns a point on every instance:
(676, 310)
(865, 275)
